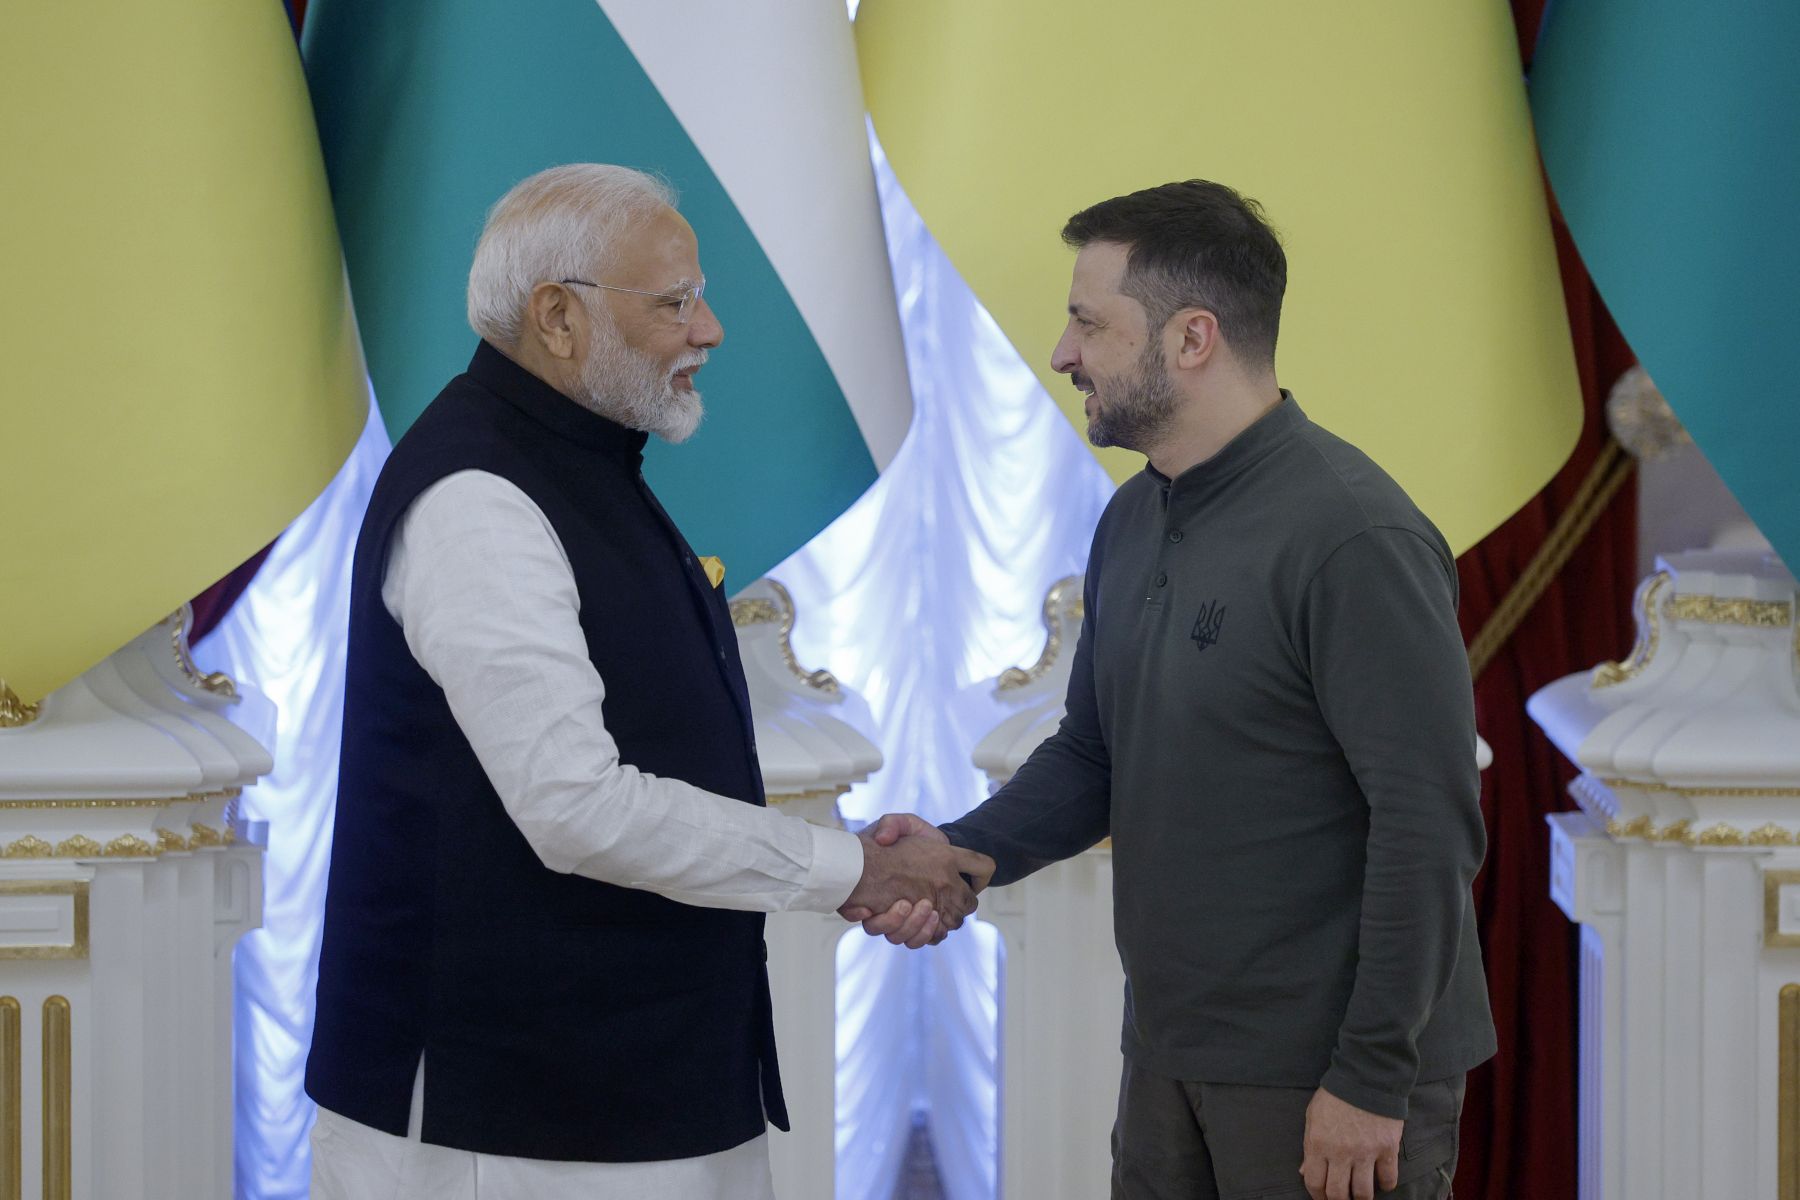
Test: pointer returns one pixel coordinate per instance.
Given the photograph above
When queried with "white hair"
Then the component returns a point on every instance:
(558, 224)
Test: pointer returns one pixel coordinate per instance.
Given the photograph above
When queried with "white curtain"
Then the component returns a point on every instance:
(934, 581)
(286, 636)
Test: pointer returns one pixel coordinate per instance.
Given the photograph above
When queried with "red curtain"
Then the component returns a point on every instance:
(211, 605)
(1519, 1127)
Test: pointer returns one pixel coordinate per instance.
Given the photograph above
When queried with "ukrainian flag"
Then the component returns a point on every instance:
(1390, 144)
(182, 368)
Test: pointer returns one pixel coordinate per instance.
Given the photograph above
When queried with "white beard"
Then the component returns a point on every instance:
(630, 387)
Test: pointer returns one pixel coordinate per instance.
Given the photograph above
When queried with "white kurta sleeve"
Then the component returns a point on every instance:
(481, 586)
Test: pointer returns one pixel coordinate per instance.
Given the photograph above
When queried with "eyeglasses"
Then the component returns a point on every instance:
(683, 299)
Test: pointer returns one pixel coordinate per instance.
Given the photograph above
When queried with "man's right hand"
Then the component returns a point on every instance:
(916, 884)
(905, 923)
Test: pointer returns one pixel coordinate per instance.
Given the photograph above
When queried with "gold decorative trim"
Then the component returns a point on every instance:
(780, 611)
(77, 891)
(1720, 793)
(12, 1102)
(1773, 882)
(1637, 827)
(1056, 601)
(14, 712)
(1649, 627)
(125, 802)
(830, 793)
(1720, 835)
(1674, 831)
(1769, 835)
(126, 845)
(1787, 1116)
(218, 683)
(754, 611)
(1719, 610)
(204, 835)
(58, 1101)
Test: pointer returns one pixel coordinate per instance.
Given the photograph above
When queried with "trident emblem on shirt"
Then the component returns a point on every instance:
(1206, 626)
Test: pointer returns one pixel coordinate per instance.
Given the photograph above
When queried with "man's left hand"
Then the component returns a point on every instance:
(1349, 1152)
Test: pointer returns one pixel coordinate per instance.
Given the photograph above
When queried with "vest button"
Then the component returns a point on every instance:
(1174, 535)
(1162, 579)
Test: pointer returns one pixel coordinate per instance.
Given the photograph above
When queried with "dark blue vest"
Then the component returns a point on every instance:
(560, 1017)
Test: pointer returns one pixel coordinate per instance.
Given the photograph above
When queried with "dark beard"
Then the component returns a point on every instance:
(1145, 407)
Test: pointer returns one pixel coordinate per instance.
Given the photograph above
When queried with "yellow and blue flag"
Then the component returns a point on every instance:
(1390, 144)
(183, 375)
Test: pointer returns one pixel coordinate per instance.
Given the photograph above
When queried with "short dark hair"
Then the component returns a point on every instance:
(1195, 244)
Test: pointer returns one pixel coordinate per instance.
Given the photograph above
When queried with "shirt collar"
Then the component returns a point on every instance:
(567, 418)
(1264, 434)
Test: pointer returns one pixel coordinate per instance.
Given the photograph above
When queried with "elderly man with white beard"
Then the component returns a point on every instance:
(543, 971)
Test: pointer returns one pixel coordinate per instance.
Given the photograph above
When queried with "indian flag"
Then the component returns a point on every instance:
(429, 110)
(1671, 133)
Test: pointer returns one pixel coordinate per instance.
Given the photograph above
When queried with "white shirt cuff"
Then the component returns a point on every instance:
(837, 867)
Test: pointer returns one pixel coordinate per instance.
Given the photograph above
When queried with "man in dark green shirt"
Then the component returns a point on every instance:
(1270, 714)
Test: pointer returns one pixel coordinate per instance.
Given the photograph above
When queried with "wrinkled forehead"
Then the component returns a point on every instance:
(658, 252)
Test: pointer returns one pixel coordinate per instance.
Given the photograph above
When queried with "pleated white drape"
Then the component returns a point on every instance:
(933, 582)
(286, 635)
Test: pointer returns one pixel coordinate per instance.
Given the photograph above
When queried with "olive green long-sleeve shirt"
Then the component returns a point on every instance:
(1270, 713)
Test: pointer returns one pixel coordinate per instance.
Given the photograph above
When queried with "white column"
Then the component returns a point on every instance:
(1690, 790)
(113, 832)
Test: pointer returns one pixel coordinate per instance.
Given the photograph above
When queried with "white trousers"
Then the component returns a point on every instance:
(351, 1161)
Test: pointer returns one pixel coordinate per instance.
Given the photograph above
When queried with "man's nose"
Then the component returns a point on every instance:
(1064, 359)
(704, 330)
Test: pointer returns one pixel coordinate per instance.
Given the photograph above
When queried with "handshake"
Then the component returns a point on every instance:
(916, 887)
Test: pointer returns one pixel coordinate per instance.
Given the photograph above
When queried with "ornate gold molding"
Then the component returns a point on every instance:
(1674, 831)
(780, 611)
(58, 1122)
(754, 611)
(77, 891)
(200, 835)
(168, 840)
(28, 847)
(1773, 882)
(830, 793)
(1725, 834)
(1720, 610)
(1649, 628)
(1055, 602)
(1721, 793)
(1769, 835)
(14, 712)
(127, 802)
(12, 1101)
(1720, 835)
(218, 683)
(1637, 827)
(1787, 1117)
